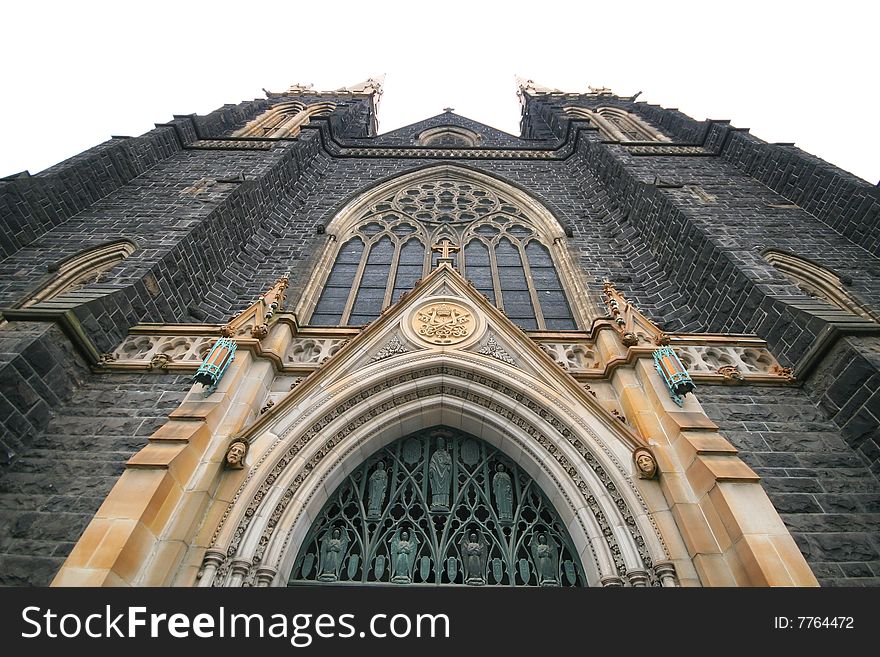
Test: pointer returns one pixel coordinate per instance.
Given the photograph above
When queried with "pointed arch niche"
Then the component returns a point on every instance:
(817, 281)
(283, 120)
(617, 124)
(509, 246)
(81, 269)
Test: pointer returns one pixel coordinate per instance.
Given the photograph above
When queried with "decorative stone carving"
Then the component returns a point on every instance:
(560, 426)
(394, 347)
(145, 348)
(160, 361)
(710, 359)
(269, 404)
(571, 356)
(492, 348)
(662, 339)
(629, 339)
(646, 464)
(618, 415)
(442, 323)
(785, 372)
(235, 455)
(312, 351)
(731, 374)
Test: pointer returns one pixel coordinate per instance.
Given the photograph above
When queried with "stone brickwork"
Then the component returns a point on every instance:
(49, 494)
(827, 497)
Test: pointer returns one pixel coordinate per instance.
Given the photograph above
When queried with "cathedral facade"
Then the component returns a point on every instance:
(271, 347)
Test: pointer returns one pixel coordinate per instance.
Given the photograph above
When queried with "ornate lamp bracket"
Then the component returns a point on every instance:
(674, 374)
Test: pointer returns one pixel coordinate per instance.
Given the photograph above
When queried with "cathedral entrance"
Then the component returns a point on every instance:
(438, 507)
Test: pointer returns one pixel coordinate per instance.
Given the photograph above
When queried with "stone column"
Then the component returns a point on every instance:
(213, 559)
(666, 572)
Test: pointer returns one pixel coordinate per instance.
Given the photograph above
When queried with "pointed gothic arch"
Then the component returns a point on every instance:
(81, 269)
(817, 281)
(474, 210)
(617, 124)
(582, 468)
(283, 120)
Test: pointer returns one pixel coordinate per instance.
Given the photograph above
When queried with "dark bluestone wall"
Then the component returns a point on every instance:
(682, 235)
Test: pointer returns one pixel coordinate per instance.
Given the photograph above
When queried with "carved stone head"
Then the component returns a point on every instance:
(646, 464)
(235, 455)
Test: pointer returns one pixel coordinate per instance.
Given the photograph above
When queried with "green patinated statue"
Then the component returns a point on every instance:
(474, 550)
(503, 489)
(378, 483)
(333, 547)
(403, 556)
(545, 557)
(440, 475)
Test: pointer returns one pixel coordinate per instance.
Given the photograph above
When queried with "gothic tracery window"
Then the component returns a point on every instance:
(438, 507)
(398, 240)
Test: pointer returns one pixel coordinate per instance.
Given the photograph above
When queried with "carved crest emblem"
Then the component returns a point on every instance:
(442, 323)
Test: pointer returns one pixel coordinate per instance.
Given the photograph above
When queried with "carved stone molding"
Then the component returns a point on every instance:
(443, 323)
(393, 347)
(311, 351)
(474, 397)
(572, 356)
(492, 348)
(711, 359)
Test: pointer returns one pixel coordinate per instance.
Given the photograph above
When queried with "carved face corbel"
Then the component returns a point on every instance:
(235, 455)
(646, 464)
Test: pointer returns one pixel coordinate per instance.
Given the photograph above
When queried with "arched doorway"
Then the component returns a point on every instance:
(438, 507)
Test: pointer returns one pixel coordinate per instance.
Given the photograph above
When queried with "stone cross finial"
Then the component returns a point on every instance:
(446, 248)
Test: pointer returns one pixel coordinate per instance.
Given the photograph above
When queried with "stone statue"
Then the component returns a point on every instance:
(440, 474)
(474, 550)
(333, 547)
(546, 556)
(646, 464)
(378, 483)
(503, 489)
(235, 454)
(403, 556)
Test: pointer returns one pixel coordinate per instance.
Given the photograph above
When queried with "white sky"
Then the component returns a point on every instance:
(75, 73)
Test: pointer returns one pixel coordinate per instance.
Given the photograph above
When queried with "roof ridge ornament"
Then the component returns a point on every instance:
(259, 313)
